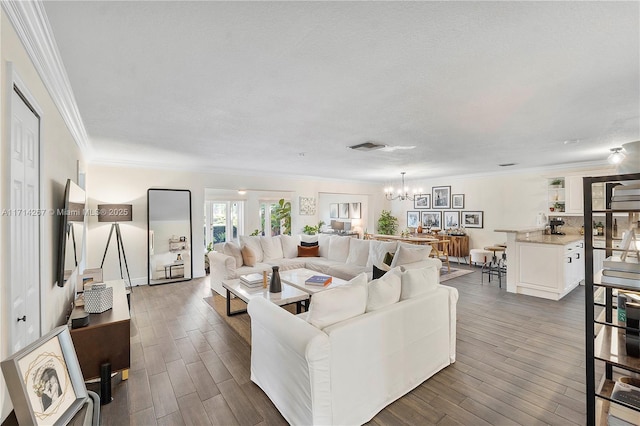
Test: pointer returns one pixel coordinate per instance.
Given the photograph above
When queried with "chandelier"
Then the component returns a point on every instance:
(402, 193)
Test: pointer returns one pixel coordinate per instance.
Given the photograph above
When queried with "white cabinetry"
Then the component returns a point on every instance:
(565, 195)
(550, 270)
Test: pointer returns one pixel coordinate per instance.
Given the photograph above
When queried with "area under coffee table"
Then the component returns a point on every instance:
(287, 296)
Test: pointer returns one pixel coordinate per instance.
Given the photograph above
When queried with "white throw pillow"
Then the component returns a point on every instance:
(271, 248)
(254, 244)
(232, 249)
(339, 303)
(308, 238)
(323, 245)
(378, 250)
(289, 246)
(384, 291)
(338, 248)
(415, 282)
(406, 254)
(358, 252)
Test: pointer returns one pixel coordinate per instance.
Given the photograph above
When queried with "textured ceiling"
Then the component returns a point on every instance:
(285, 87)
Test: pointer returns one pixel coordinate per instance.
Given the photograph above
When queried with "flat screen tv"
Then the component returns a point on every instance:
(71, 232)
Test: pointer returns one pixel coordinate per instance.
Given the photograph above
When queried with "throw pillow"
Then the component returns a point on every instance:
(254, 243)
(248, 256)
(384, 291)
(289, 246)
(232, 249)
(338, 248)
(323, 243)
(379, 272)
(306, 244)
(339, 303)
(271, 248)
(415, 282)
(406, 254)
(308, 251)
(378, 250)
(388, 258)
(358, 252)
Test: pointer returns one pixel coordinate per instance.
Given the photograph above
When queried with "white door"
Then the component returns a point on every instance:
(24, 254)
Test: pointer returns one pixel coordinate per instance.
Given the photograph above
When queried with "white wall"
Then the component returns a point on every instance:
(59, 157)
(111, 184)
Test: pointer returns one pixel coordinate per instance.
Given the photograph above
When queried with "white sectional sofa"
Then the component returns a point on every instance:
(347, 371)
(339, 256)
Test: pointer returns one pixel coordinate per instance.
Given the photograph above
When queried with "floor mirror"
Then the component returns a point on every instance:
(170, 236)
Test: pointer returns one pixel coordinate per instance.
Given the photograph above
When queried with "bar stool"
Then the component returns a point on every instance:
(495, 267)
(479, 256)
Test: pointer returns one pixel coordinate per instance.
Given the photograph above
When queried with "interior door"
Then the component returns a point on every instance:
(170, 236)
(24, 254)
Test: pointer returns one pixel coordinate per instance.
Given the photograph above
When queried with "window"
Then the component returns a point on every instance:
(223, 221)
(275, 217)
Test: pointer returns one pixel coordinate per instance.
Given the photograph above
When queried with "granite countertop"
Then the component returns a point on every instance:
(552, 239)
(518, 230)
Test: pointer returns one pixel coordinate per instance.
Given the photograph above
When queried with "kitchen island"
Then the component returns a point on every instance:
(547, 266)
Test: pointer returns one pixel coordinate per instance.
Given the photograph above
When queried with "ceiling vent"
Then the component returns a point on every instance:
(507, 164)
(367, 146)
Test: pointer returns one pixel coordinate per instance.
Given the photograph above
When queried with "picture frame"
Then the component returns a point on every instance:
(422, 201)
(451, 219)
(413, 219)
(457, 201)
(45, 381)
(441, 197)
(472, 219)
(431, 219)
(355, 211)
(307, 206)
(333, 210)
(343, 211)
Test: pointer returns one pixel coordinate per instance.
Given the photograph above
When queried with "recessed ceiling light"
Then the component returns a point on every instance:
(507, 164)
(571, 142)
(242, 191)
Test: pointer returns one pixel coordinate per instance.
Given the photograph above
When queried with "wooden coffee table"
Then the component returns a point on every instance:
(287, 296)
(297, 277)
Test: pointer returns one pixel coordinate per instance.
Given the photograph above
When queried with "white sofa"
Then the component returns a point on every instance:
(339, 256)
(345, 373)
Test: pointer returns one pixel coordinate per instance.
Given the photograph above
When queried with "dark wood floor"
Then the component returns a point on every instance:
(520, 360)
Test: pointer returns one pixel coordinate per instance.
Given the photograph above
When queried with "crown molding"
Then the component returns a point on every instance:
(30, 22)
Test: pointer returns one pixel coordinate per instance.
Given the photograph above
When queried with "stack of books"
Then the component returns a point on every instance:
(625, 392)
(618, 272)
(252, 280)
(626, 197)
(319, 280)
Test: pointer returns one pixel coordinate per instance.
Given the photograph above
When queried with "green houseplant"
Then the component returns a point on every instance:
(312, 230)
(387, 224)
(282, 214)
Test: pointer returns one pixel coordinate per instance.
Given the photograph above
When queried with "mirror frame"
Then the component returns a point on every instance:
(188, 191)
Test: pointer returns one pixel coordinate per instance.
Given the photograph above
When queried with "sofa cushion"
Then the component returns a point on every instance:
(254, 243)
(358, 252)
(407, 254)
(379, 271)
(232, 249)
(306, 244)
(338, 248)
(378, 250)
(384, 291)
(415, 282)
(388, 259)
(320, 264)
(308, 251)
(289, 246)
(346, 271)
(248, 256)
(309, 238)
(323, 243)
(271, 248)
(339, 303)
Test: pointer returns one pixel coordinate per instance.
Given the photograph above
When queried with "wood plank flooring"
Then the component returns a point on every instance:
(520, 360)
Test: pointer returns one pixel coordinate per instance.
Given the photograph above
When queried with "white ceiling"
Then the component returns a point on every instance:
(250, 86)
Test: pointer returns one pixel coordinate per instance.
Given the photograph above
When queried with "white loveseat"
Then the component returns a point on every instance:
(339, 256)
(346, 372)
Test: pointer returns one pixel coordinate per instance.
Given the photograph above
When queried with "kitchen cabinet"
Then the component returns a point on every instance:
(564, 195)
(550, 270)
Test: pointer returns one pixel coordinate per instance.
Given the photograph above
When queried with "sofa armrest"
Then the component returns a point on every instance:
(453, 302)
(221, 264)
(290, 362)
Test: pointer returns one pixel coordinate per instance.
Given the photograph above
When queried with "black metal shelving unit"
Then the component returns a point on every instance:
(604, 334)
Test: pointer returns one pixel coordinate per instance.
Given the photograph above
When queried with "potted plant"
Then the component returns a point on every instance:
(556, 183)
(206, 258)
(558, 206)
(282, 213)
(312, 230)
(387, 224)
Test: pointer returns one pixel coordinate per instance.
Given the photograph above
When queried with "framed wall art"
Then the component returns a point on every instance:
(45, 381)
(431, 219)
(441, 197)
(422, 201)
(473, 219)
(355, 211)
(333, 210)
(457, 201)
(307, 206)
(451, 219)
(413, 219)
(344, 211)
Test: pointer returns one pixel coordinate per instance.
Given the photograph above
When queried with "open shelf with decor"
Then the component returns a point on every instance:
(612, 311)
